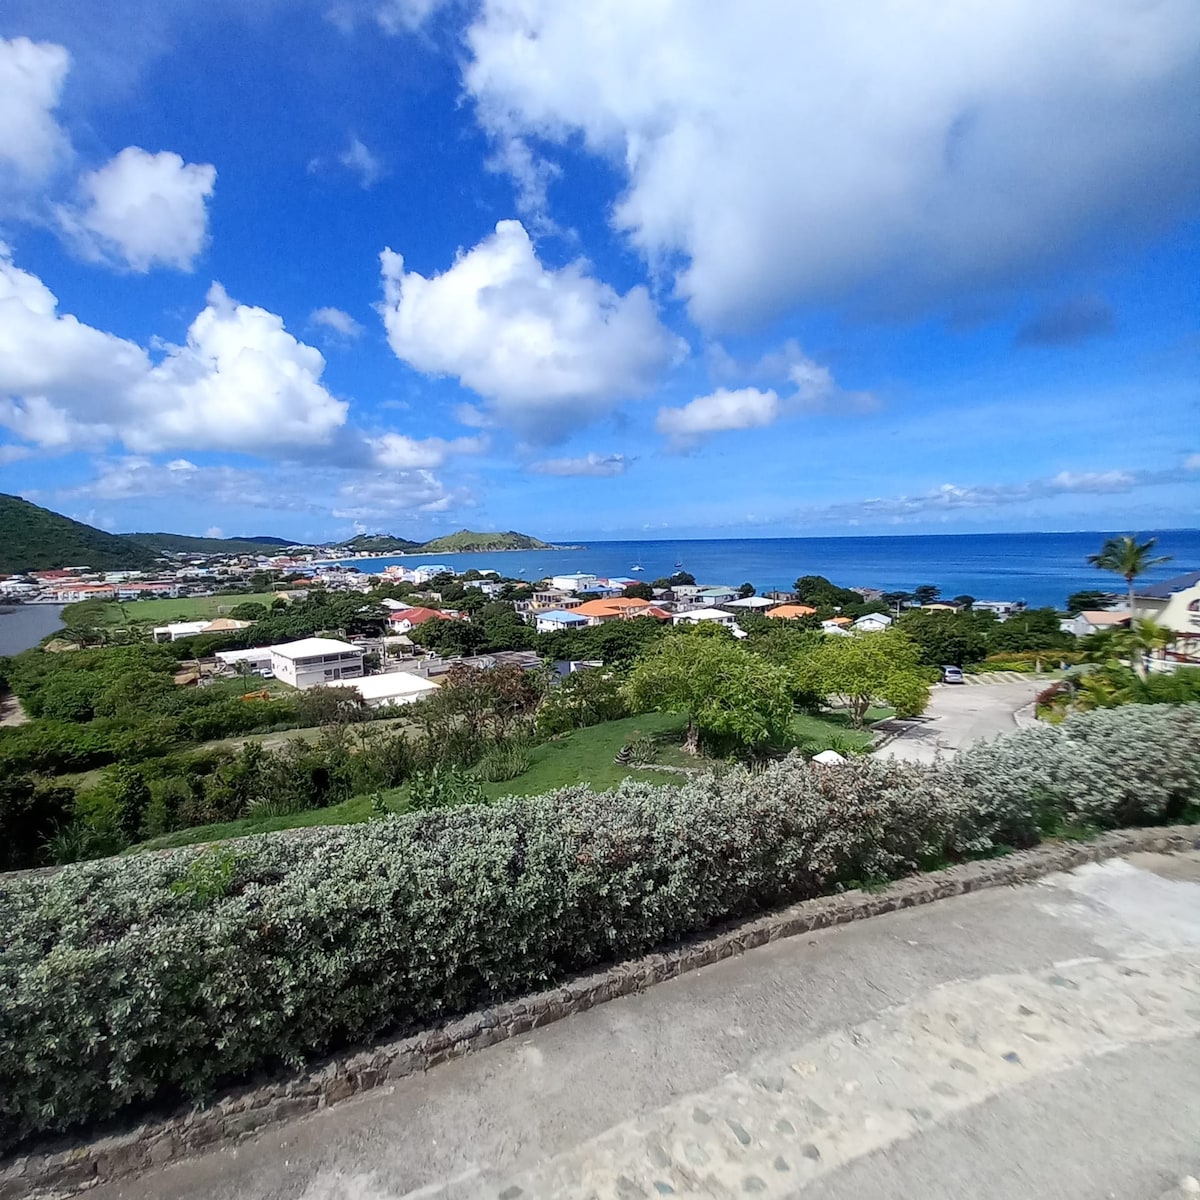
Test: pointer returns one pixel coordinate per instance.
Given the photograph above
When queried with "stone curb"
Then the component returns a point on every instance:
(65, 1169)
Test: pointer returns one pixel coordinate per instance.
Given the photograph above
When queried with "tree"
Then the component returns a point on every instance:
(820, 593)
(963, 601)
(249, 611)
(638, 591)
(944, 637)
(926, 593)
(1031, 629)
(130, 798)
(678, 579)
(450, 638)
(724, 691)
(1142, 639)
(746, 590)
(859, 671)
(896, 600)
(1089, 601)
(1129, 558)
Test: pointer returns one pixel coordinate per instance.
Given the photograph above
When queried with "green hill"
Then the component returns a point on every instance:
(376, 543)
(179, 543)
(466, 541)
(36, 539)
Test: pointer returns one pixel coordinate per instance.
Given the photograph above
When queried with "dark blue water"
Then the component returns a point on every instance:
(1039, 568)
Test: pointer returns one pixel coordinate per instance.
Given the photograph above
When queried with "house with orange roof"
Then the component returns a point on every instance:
(613, 608)
(792, 612)
(409, 618)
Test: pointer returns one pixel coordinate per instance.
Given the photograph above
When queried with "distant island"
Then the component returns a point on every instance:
(465, 541)
(35, 539)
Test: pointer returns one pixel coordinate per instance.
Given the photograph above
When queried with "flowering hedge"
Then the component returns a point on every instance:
(155, 977)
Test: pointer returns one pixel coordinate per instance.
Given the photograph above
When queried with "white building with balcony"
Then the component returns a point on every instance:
(316, 661)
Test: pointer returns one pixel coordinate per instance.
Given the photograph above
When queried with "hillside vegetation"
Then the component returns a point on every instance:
(179, 543)
(35, 539)
(377, 543)
(465, 541)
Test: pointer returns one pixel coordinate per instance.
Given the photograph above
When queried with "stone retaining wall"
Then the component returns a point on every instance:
(63, 1169)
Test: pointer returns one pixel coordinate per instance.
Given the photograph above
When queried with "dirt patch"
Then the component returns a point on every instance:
(11, 712)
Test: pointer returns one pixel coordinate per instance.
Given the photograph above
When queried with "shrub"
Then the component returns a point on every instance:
(443, 787)
(503, 763)
(159, 976)
(642, 748)
(1135, 765)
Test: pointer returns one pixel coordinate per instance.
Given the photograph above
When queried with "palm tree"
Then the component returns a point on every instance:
(1129, 558)
(1141, 639)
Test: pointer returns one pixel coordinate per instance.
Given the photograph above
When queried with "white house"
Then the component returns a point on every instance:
(872, 622)
(259, 658)
(1085, 623)
(392, 688)
(1174, 603)
(185, 629)
(579, 581)
(1003, 609)
(316, 661)
(750, 604)
(836, 628)
(716, 595)
(558, 619)
(695, 615)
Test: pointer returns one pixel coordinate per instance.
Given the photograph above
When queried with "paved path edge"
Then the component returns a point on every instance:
(64, 1168)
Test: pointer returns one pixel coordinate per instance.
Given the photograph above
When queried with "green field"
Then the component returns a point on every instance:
(187, 608)
(582, 756)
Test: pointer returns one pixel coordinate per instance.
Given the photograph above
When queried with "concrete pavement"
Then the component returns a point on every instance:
(1013, 1043)
(959, 715)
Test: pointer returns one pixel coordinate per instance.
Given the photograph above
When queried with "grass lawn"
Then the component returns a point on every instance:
(815, 732)
(186, 608)
(581, 756)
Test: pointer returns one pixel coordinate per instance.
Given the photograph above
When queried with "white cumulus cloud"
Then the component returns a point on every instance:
(32, 143)
(240, 382)
(745, 408)
(891, 154)
(550, 349)
(400, 452)
(337, 322)
(143, 209)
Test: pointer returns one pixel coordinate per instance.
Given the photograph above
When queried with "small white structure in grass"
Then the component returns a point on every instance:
(829, 758)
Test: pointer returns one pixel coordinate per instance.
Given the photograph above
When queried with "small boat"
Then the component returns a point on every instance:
(679, 564)
(637, 568)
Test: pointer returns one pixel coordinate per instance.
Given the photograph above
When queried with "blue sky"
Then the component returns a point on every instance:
(623, 269)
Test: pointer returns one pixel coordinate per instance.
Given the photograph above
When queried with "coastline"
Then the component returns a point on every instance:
(389, 554)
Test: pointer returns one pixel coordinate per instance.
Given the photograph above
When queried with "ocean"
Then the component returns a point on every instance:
(1038, 568)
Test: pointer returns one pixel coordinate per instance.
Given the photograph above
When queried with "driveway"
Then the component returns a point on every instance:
(960, 715)
(1020, 1042)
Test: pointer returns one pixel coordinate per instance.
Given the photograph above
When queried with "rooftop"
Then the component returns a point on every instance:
(792, 610)
(561, 614)
(1166, 589)
(311, 647)
(1098, 616)
(395, 685)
